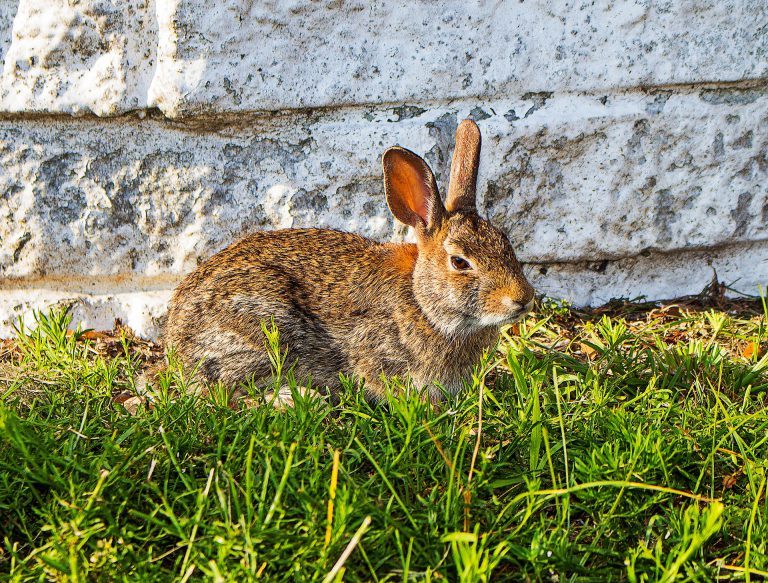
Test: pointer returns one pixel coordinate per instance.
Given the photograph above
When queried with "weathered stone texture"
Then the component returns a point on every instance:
(188, 57)
(573, 179)
(743, 266)
(7, 12)
(329, 53)
(579, 180)
(89, 198)
(142, 310)
(95, 56)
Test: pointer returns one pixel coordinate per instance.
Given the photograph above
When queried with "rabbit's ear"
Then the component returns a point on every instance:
(411, 189)
(462, 188)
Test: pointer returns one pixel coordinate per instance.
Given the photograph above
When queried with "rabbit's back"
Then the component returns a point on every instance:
(321, 288)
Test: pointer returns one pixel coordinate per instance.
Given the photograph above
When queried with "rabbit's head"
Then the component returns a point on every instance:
(466, 277)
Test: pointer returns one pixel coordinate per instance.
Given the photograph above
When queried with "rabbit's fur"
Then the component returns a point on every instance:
(346, 304)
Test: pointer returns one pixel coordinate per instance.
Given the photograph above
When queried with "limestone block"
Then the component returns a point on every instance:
(585, 178)
(742, 266)
(141, 310)
(7, 13)
(189, 57)
(568, 178)
(275, 55)
(93, 56)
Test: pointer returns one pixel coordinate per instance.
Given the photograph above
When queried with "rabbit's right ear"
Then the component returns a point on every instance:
(411, 189)
(462, 188)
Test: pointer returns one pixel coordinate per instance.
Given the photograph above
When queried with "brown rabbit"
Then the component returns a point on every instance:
(346, 304)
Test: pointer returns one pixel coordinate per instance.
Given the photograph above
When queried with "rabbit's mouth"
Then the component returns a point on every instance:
(517, 313)
(470, 323)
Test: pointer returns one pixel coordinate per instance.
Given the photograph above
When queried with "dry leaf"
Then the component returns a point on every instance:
(93, 335)
(121, 398)
(132, 404)
(674, 336)
(8, 349)
(750, 349)
(730, 480)
(588, 350)
(673, 310)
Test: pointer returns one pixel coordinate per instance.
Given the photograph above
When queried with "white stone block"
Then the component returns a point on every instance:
(569, 179)
(93, 56)
(743, 268)
(229, 56)
(141, 310)
(188, 57)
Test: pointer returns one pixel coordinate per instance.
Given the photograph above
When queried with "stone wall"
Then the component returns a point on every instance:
(625, 143)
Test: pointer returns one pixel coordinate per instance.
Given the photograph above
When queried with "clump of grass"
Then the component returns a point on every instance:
(628, 443)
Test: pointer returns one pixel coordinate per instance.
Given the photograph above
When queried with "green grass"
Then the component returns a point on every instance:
(625, 444)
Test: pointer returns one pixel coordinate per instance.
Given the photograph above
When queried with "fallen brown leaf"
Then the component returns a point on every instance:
(673, 311)
(590, 352)
(750, 349)
(132, 404)
(93, 335)
(730, 480)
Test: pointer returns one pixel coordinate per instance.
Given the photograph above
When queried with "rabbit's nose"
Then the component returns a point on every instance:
(518, 292)
(527, 295)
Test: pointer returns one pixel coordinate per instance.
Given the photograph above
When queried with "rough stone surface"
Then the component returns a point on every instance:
(743, 267)
(93, 56)
(573, 179)
(320, 54)
(141, 310)
(188, 57)
(7, 13)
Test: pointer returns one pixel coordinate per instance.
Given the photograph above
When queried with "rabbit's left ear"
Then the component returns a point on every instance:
(411, 189)
(462, 187)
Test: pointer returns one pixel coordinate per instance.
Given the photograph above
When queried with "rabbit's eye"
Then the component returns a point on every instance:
(459, 263)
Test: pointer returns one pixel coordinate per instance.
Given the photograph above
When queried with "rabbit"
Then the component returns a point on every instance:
(346, 304)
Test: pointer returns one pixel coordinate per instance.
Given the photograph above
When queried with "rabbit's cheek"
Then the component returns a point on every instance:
(452, 295)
